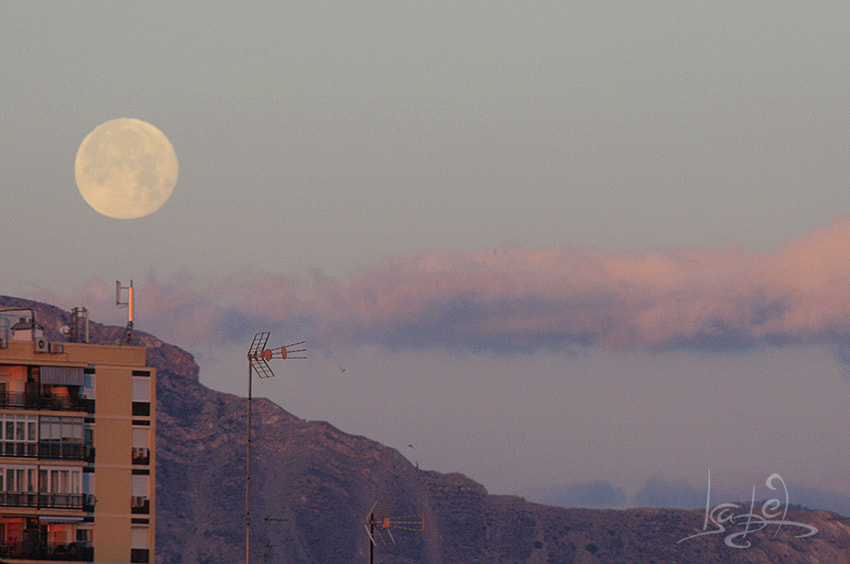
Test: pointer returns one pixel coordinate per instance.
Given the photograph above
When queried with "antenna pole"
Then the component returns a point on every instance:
(248, 478)
(258, 357)
(379, 522)
(371, 534)
(130, 305)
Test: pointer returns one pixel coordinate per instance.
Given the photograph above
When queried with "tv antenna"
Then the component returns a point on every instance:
(379, 525)
(130, 305)
(258, 359)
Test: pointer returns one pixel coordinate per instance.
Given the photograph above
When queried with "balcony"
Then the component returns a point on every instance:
(47, 450)
(45, 401)
(141, 455)
(140, 505)
(73, 552)
(41, 500)
(65, 451)
(141, 408)
(19, 449)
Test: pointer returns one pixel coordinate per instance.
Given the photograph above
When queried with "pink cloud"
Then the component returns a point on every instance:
(512, 298)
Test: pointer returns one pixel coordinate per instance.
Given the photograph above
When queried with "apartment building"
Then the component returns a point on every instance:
(77, 449)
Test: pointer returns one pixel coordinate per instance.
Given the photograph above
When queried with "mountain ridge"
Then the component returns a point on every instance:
(313, 485)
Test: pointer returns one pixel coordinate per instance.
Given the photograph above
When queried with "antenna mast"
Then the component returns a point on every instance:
(379, 522)
(79, 330)
(258, 357)
(130, 305)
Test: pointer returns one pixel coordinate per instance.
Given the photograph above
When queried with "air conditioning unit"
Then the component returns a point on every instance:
(56, 348)
(42, 345)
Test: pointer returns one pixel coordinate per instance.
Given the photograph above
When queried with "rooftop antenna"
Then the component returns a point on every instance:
(129, 304)
(78, 332)
(379, 525)
(258, 359)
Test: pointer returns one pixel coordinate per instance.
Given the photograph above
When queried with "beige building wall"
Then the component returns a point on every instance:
(123, 429)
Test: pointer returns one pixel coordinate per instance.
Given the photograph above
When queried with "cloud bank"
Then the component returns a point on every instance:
(514, 299)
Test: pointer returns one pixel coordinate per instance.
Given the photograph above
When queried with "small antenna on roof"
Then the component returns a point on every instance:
(379, 524)
(78, 332)
(129, 304)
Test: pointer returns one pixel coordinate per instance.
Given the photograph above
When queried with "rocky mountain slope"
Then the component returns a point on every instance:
(313, 486)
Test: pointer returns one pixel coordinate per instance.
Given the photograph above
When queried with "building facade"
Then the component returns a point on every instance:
(77, 450)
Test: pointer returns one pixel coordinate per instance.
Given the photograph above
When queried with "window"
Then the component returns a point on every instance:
(62, 429)
(18, 485)
(88, 383)
(140, 502)
(141, 394)
(140, 485)
(88, 483)
(19, 478)
(141, 445)
(141, 388)
(60, 480)
(139, 555)
(18, 435)
(139, 537)
(85, 535)
(139, 544)
(64, 437)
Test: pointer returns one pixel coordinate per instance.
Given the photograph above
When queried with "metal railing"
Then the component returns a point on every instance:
(53, 402)
(139, 555)
(71, 552)
(40, 500)
(140, 505)
(141, 455)
(47, 450)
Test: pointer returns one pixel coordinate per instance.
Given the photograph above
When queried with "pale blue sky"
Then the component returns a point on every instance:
(330, 136)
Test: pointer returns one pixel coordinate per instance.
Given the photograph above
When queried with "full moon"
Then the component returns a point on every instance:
(126, 168)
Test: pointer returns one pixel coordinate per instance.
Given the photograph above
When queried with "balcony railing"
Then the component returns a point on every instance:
(47, 450)
(66, 451)
(20, 450)
(40, 500)
(141, 455)
(72, 552)
(139, 555)
(53, 402)
(141, 408)
(140, 505)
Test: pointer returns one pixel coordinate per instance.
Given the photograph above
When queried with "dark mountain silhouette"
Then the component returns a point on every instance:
(313, 486)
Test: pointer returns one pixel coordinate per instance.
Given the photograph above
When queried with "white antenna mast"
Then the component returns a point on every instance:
(129, 304)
